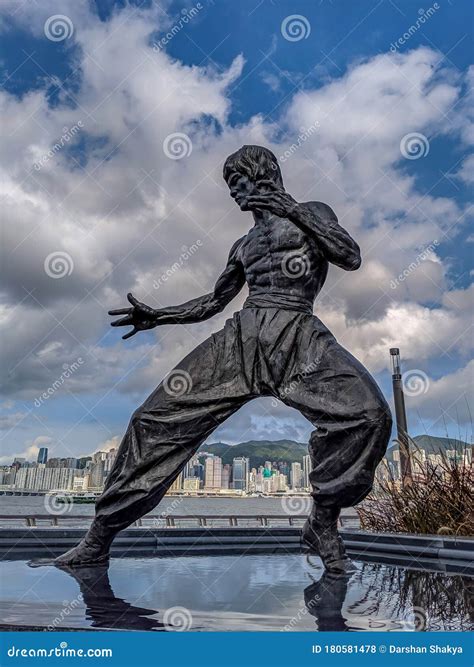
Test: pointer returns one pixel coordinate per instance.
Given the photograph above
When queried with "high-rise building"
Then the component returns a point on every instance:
(296, 475)
(42, 455)
(57, 462)
(97, 470)
(191, 484)
(7, 475)
(41, 478)
(109, 461)
(240, 473)
(213, 472)
(306, 470)
(80, 481)
(226, 474)
(177, 485)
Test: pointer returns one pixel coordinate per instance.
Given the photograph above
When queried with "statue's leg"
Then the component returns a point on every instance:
(199, 394)
(353, 425)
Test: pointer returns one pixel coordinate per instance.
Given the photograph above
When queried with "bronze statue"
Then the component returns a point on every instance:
(274, 346)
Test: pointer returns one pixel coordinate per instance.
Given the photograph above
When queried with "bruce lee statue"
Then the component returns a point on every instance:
(274, 346)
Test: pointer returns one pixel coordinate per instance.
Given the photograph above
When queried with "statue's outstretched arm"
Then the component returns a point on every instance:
(141, 317)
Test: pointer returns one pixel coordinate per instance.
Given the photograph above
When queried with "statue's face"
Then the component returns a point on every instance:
(241, 187)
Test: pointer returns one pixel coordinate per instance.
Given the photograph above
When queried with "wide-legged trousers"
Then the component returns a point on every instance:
(260, 352)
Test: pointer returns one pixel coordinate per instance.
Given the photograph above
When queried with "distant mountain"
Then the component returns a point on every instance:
(434, 445)
(259, 451)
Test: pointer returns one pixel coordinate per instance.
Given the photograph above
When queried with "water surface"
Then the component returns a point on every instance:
(254, 592)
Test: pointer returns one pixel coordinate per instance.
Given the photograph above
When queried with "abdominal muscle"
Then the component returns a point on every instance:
(283, 266)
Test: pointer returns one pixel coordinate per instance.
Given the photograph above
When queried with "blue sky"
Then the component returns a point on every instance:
(227, 77)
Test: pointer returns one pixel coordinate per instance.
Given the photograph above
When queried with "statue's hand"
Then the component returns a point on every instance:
(275, 199)
(140, 316)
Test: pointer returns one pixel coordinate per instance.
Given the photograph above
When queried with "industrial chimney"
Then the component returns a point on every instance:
(401, 417)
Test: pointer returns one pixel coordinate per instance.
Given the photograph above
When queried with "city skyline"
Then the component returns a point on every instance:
(206, 473)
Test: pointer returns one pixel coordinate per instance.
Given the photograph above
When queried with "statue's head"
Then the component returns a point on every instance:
(244, 169)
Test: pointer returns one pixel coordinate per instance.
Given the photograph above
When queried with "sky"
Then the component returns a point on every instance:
(117, 119)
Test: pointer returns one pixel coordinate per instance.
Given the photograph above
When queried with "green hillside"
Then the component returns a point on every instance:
(259, 451)
(434, 445)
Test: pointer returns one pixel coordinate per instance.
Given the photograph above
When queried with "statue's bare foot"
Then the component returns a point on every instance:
(320, 534)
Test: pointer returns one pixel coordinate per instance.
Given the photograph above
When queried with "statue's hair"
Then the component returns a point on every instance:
(256, 162)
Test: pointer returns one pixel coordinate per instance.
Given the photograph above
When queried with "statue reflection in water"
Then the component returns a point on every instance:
(375, 597)
(384, 597)
(103, 608)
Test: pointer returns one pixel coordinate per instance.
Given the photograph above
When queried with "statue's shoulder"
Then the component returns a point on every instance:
(322, 210)
(235, 250)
